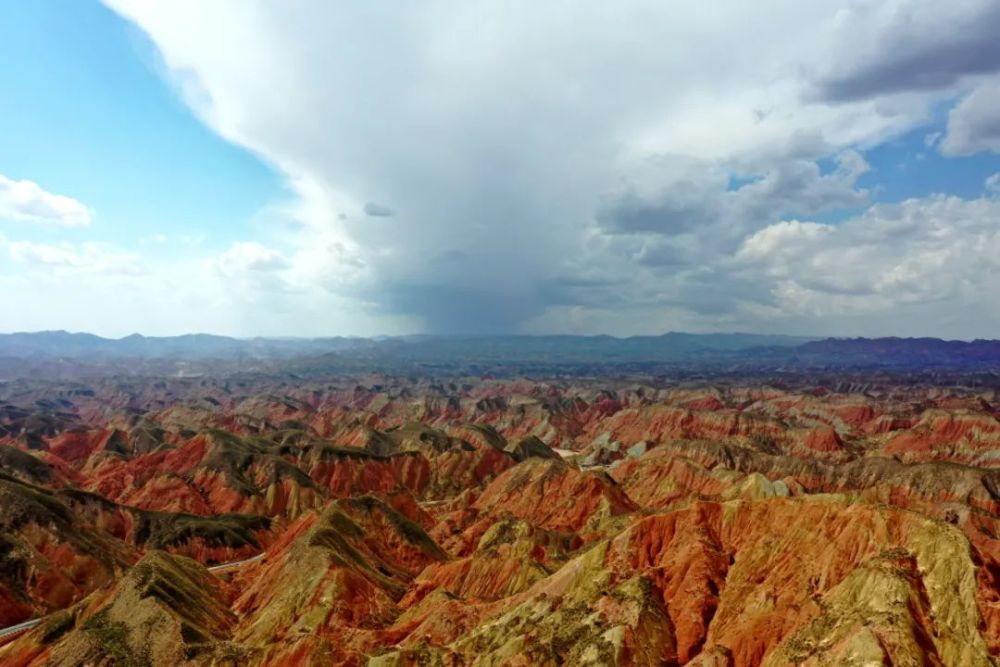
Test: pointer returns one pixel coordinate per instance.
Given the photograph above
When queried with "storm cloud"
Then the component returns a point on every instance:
(482, 166)
(974, 124)
(913, 45)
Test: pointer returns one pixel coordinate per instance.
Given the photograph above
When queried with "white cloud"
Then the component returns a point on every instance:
(66, 258)
(939, 256)
(242, 291)
(250, 256)
(642, 165)
(782, 238)
(26, 201)
(992, 184)
(974, 124)
(886, 47)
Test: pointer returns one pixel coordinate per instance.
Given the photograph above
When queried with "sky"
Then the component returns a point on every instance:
(251, 167)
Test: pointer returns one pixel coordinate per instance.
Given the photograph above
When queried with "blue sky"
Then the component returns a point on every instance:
(475, 167)
(906, 167)
(88, 112)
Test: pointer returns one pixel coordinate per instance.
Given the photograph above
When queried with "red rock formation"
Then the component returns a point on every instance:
(554, 495)
(420, 522)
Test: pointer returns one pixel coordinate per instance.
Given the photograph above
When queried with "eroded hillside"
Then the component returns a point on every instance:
(488, 522)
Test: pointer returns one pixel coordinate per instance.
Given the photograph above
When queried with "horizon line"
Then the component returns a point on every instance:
(379, 337)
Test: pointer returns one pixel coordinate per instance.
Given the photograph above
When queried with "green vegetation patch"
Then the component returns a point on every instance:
(161, 530)
(340, 533)
(530, 446)
(416, 436)
(13, 565)
(58, 624)
(489, 434)
(234, 456)
(112, 641)
(183, 588)
(81, 497)
(15, 461)
(21, 503)
(410, 530)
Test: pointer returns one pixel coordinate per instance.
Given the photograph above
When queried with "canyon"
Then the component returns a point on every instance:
(392, 520)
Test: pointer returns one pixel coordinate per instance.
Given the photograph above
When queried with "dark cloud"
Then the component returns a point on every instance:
(619, 179)
(799, 187)
(706, 205)
(674, 212)
(661, 254)
(974, 124)
(921, 46)
(374, 210)
(458, 309)
(718, 292)
(581, 289)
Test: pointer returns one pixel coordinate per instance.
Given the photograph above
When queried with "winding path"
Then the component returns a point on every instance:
(15, 630)
(9, 633)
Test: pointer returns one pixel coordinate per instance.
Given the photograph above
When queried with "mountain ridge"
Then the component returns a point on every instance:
(65, 354)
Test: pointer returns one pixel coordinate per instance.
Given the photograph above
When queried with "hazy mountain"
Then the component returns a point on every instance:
(84, 346)
(63, 354)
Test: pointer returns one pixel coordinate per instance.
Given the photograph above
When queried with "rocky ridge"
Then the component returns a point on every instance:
(489, 522)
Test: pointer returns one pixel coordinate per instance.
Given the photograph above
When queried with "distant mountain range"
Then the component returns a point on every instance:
(904, 351)
(69, 354)
(194, 347)
(191, 347)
